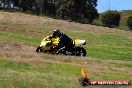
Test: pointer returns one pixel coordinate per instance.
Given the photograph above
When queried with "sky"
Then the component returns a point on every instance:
(104, 5)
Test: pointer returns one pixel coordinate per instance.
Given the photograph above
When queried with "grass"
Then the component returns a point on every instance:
(107, 46)
(125, 65)
(49, 68)
(19, 37)
(23, 75)
(125, 14)
(124, 18)
(40, 77)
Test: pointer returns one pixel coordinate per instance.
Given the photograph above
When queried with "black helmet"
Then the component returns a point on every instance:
(56, 33)
(56, 30)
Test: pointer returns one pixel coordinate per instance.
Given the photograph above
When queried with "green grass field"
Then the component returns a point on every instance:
(109, 54)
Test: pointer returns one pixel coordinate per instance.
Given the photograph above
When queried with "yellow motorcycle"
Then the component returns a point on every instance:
(49, 44)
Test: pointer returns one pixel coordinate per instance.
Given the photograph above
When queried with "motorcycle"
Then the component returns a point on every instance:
(48, 45)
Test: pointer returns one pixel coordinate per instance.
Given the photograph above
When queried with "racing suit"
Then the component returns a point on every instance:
(64, 41)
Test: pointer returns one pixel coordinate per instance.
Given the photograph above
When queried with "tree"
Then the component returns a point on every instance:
(86, 9)
(48, 7)
(110, 18)
(16, 2)
(66, 8)
(78, 9)
(129, 22)
(25, 4)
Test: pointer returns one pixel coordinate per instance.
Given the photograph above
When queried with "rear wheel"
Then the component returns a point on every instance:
(80, 51)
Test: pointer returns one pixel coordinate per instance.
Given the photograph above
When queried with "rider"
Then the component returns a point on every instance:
(64, 39)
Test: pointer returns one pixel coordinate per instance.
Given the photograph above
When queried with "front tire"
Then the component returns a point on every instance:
(39, 49)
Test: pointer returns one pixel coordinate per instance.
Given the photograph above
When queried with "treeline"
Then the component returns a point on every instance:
(76, 10)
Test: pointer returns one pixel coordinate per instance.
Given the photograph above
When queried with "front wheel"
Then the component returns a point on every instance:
(39, 49)
(80, 51)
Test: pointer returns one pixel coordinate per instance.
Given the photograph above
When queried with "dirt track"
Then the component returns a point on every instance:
(17, 50)
(8, 46)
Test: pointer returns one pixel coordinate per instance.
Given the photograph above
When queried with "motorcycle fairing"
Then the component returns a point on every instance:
(79, 42)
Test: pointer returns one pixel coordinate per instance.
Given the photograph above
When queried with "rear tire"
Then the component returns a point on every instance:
(80, 51)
